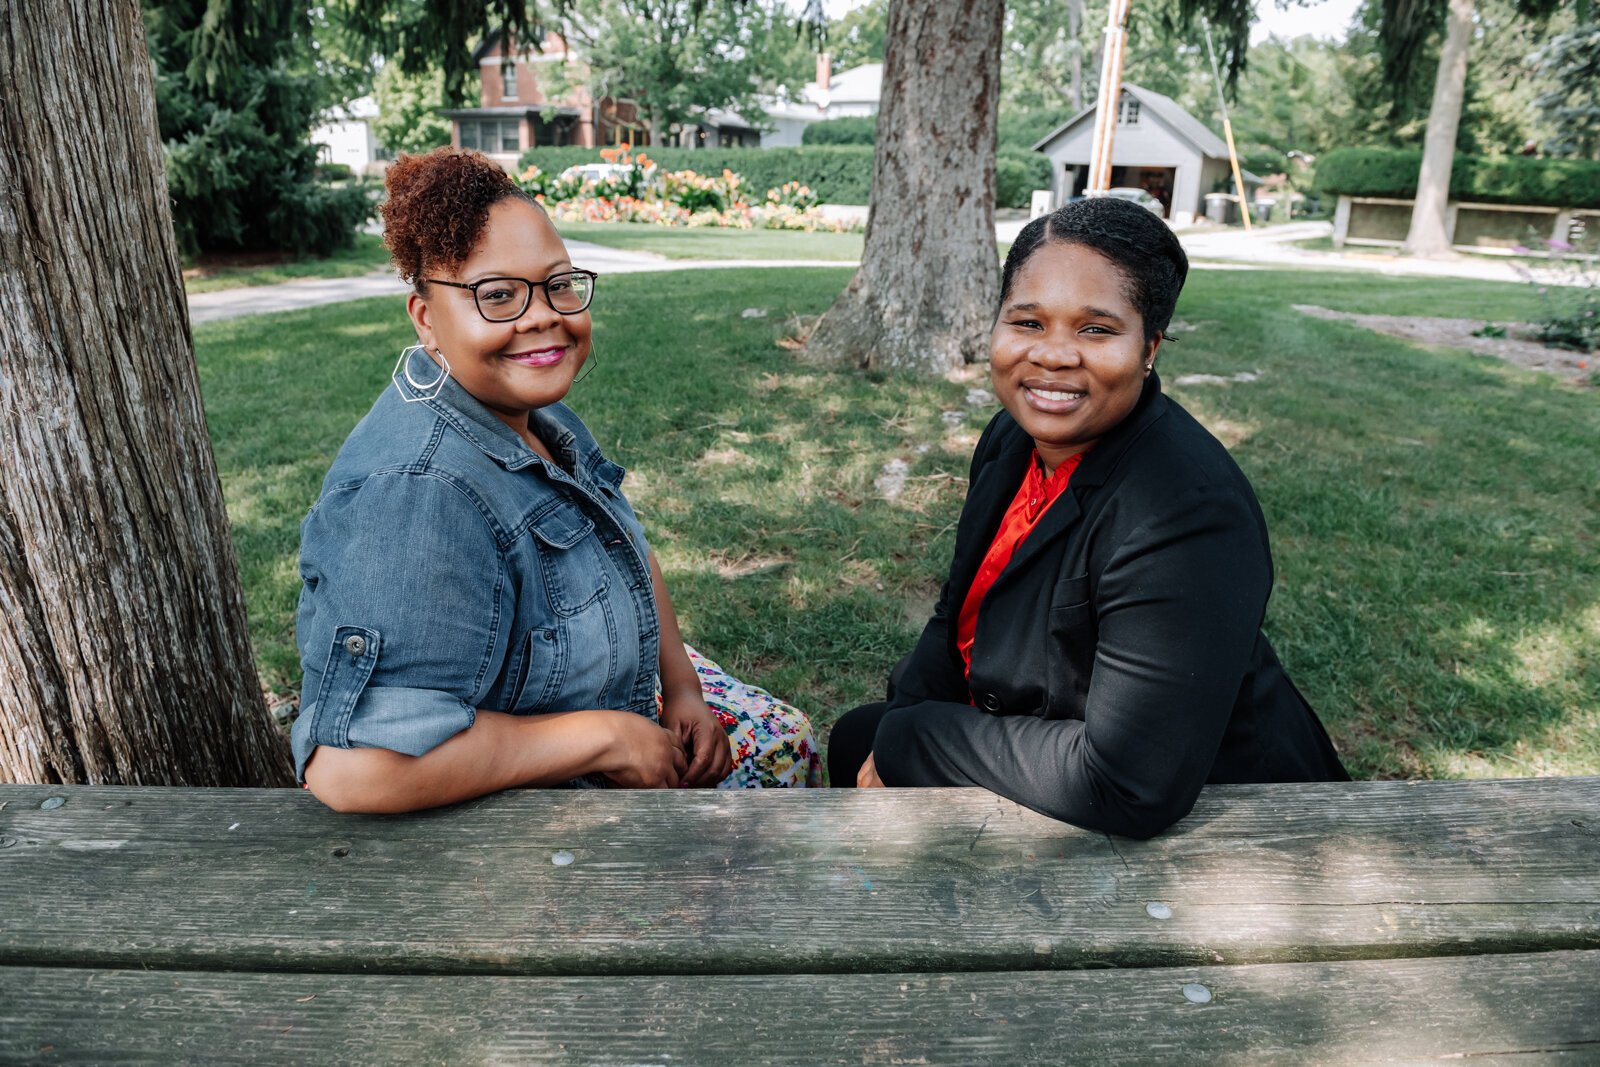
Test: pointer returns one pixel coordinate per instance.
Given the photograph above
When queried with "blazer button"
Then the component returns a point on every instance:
(990, 703)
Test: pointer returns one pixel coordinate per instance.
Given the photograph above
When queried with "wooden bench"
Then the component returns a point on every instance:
(1309, 923)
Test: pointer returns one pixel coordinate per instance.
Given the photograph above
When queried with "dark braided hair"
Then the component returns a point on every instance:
(1146, 252)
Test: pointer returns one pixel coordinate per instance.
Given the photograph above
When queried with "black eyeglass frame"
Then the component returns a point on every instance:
(544, 287)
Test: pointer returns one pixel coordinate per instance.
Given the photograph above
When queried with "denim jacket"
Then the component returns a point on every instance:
(447, 567)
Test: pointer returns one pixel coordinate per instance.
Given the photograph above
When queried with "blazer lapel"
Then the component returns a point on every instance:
(987, 500)
(1052, 526)
(1092, 471)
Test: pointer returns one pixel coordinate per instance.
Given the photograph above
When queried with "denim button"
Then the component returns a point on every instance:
(356, 645)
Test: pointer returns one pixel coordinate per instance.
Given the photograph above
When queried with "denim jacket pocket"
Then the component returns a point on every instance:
(351, 659)
(574, 575)
(537, 675)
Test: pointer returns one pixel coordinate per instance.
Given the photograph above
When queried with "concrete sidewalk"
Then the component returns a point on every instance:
(1209, 248)
(312, 292)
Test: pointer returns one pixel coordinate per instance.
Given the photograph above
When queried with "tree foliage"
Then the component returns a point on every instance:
(408, 118)
(236, 96)
(1570, 66)
(679, 58)
(857, 37)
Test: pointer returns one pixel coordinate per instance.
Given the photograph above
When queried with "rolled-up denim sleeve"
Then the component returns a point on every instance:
(404, 605)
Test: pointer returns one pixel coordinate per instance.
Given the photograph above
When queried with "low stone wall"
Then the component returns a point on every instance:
(1491, 228)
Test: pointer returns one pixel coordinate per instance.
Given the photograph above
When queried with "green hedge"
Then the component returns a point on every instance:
(1017, 175)
(839, 174)
(848, 130)
(1392, 172)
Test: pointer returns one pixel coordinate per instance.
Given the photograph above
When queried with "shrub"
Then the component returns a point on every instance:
(852, 130)
(1021, 130)
(334, 172)
(796, 195)
(1392, 172)
(838, 174)
(1263, 160)
(1017, 175)
(317, 219)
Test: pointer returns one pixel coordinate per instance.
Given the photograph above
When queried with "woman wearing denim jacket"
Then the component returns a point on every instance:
(480, 609)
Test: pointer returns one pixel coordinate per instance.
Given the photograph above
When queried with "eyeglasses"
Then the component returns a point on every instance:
(506, 299)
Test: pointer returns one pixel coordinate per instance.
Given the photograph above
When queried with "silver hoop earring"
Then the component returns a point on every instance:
(590, 364)
(424, 390)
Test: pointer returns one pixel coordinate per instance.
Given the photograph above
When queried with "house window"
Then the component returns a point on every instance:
(1130, 112)
(508, 77)
(491, 135)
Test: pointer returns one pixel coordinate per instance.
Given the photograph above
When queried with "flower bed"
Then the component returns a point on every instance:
(629, 188)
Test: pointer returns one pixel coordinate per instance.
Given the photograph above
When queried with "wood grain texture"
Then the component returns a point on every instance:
(124, 655)
(1527, 1008)
(680, 882)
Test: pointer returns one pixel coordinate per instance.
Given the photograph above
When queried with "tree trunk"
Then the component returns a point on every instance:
(925, 295)
(1429, 234)
(123, 651)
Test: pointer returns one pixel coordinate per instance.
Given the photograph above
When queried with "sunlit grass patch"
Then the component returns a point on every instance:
(1431, 511)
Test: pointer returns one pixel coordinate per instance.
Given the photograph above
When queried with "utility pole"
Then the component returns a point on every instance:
(1108, 103)
(1227, 128)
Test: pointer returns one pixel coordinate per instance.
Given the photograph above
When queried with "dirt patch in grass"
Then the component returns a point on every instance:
(1519, 346)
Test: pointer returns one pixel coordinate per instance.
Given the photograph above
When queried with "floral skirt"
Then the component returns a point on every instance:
(772, 742)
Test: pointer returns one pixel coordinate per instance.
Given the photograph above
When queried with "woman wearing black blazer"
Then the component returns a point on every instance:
(1097, 652)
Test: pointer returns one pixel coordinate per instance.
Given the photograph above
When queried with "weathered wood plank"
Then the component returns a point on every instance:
(694, 882)
(1535, 1007)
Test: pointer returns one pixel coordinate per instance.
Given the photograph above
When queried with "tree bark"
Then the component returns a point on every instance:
(925, 295)
(1429, 233)
(124, 656)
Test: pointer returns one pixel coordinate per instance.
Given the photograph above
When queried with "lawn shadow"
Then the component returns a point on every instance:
(1430, 511)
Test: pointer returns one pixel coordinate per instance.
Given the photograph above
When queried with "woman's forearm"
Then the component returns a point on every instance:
(498, 751)
(677, 673)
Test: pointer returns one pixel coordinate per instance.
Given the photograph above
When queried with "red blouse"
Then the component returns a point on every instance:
(1033, 499)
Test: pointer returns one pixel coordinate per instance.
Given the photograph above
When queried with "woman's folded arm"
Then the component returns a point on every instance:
(1178, 606)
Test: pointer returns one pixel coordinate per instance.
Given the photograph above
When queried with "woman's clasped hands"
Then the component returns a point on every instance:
(688, 748)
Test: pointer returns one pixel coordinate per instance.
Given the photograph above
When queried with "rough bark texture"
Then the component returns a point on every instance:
(1429, 233)
(124, 656)
(925, 295)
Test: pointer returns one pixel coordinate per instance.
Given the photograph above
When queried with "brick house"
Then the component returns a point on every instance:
(517, 115)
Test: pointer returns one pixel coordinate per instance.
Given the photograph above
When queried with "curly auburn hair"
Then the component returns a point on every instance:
(437, 207)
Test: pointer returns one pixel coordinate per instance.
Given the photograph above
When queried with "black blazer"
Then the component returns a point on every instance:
(1119, 662)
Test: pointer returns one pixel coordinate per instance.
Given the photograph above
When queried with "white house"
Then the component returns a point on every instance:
(853, 94)
(1159, 147)
(347, 137)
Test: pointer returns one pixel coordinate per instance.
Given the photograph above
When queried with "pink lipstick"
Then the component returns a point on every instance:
(542, 357)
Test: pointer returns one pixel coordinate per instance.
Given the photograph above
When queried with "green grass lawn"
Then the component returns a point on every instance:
(681, 242)
(367, 256)
(1432, 511)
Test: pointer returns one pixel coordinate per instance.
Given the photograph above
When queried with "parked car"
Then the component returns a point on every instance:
(1138, 196)
(600, 172)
